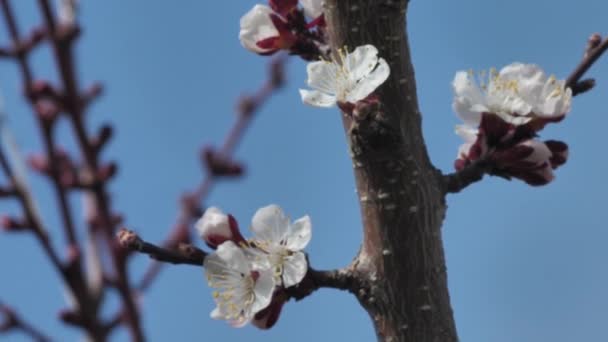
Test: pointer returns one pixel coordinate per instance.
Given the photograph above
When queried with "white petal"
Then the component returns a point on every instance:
(519, 70)
(216, 314)
(294, 269)
(299, 234)
(264, 288)
(241, 321)
(233, 257)
(468, 101)
(322, 76)
(256, 25)
(214, 266)
(361, 62)
(368, 84)
(317, 99)
(312, 8)
(270, 224)
(467, 133)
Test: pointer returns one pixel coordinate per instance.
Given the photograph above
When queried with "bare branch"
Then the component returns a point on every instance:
(184, 254)
(457, 181)
(187, 254)
(13, 322)
(342, 279)
(62, 37)
(595, 49)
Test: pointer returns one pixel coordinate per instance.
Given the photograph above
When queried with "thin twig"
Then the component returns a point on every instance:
(72, 271)
(189, 255)
(30, 216)
(47, 131)
(184, 254)
(593, 52)
(459, 180)
(62, 38)
(342, 279)
(13, 322)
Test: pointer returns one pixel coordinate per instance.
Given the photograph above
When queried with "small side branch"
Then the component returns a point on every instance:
(342, 279)
(595, 49)
(11, 321)
(184, 254)
(457, 181)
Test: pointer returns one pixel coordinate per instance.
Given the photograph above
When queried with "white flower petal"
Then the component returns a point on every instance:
(299, 234)
(216, 314)
(317, 99)
(368, 84)
(469, 135)
(312, 8)
(361, 61)
(322, 76)
(232, 256)
(264, 288)
(294, 269)
(256, 25)
(270, 224)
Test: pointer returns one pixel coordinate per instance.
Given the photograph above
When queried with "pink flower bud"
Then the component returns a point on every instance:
(528, 161)
(215, 228)
(559, 152)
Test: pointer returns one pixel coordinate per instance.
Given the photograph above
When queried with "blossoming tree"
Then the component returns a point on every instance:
(399, 274)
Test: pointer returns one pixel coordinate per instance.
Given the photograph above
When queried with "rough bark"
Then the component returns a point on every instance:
(402, 197)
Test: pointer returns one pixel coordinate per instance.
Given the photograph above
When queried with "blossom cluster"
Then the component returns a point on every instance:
(282, 25)
(249, 276)
(503, 113)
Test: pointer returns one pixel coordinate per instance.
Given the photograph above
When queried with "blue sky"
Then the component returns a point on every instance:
(524, 264)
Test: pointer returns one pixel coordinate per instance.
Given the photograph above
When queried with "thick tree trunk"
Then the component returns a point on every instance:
(401, 264)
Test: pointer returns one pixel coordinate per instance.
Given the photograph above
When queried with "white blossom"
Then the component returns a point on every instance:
(517, 94)
(349, 78)
(215, 227)
(312, 8)
(242, 289)
(257, 26)
(282, 242)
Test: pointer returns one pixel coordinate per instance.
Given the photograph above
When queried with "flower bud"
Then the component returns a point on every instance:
(559, 152)
(215, 228)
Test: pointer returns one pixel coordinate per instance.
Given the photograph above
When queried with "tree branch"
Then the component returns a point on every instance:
(459, 180)
(13, 322)
(62, 36)
(342, 279)
(184, 254)
(401, 198)
(595, 49)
